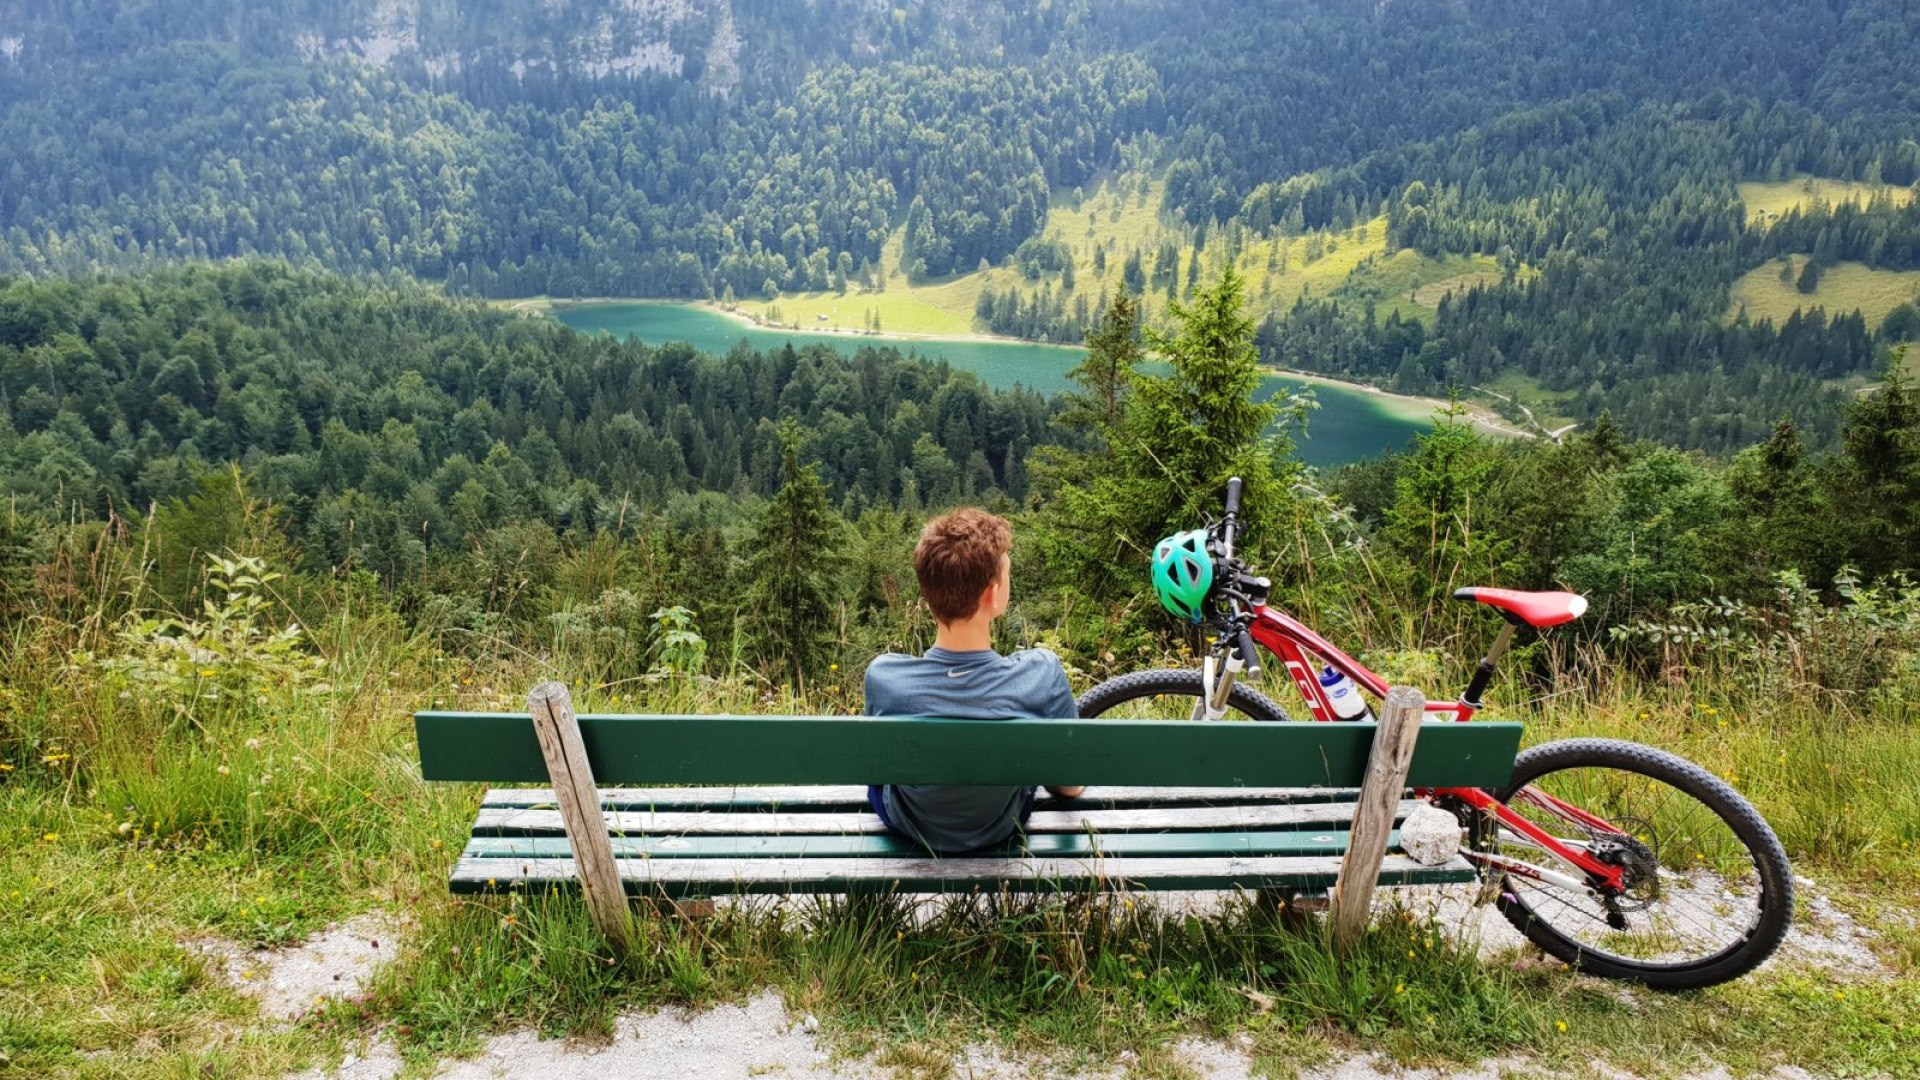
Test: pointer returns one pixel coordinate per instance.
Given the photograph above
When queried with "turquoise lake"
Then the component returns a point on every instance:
(1348, 426)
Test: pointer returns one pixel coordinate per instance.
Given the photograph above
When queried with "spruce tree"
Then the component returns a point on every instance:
(1880, 475)
(1186, 432)
(1438, 519)
(795, 565)
(1082, 532)
(1113, 353)
(1176, 440)
(1809, 279)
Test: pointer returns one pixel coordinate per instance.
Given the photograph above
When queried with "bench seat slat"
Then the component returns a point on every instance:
(847, 796)
(707, 877)
(506, 822)
(501, 748)
(1052, 845)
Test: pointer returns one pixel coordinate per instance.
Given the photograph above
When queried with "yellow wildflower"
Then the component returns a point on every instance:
(1561, 1025)
(1400, 988)
(5, 768)
(51, 838)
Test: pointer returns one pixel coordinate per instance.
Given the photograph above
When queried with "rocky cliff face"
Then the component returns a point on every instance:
(701, 40)
(592, 38)
(713, 43)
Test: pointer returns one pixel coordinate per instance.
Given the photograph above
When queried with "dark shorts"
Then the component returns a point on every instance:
(879, 805)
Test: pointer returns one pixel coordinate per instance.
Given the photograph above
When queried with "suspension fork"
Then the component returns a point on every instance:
(1217, 677)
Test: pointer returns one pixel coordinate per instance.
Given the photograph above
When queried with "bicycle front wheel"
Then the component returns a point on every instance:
(1170, 694)
(1708, 894)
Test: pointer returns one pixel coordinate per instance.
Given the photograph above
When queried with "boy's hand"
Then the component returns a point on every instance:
(1066, 792)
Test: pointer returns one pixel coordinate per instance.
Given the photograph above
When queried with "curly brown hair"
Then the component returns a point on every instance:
(957, 557)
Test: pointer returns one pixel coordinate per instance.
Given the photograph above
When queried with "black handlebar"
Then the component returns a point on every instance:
(1230, 523)
(1249, 654)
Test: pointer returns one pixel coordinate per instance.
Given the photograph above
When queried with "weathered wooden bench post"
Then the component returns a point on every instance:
(1373, 813)
(557, 729)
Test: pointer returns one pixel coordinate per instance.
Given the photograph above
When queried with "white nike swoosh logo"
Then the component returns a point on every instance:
(955, 674)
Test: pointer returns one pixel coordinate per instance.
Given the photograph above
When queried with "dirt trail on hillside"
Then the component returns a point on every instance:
(761, 1039)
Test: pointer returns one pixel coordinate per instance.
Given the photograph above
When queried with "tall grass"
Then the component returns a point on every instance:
(147, 802)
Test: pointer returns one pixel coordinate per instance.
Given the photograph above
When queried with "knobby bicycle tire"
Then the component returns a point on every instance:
(1774, 901)
(1174, 682)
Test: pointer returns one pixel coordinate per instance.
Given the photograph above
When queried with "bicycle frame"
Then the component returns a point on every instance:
(1302, 652)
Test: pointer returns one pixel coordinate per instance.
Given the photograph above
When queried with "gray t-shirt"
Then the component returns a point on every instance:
(981, 685)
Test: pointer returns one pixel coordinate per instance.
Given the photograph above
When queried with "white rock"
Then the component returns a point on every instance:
(1430, 836)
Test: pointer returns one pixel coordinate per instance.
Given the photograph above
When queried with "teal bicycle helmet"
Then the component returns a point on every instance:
(1183, 574)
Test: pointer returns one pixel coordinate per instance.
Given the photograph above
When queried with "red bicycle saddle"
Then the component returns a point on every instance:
(1533, 608)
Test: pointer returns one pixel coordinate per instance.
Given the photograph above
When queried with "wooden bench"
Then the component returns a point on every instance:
(1170, 804)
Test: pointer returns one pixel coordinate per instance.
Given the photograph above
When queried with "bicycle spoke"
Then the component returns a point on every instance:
(1685, 900)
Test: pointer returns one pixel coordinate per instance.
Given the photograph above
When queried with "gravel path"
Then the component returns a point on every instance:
(760, 1039)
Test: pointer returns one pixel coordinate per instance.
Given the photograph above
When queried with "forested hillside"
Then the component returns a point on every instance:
(1590, 153)
(483, 467)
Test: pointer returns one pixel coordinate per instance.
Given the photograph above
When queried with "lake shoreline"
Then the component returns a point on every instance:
(1426, 406)
(546, 305)
(1336, 433)
(1482, 418)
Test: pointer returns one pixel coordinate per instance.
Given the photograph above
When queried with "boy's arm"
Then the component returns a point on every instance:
(1063, 707)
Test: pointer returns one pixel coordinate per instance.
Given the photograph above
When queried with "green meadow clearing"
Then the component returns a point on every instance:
(1120, 215)
(1844, 287)
(1768, 199)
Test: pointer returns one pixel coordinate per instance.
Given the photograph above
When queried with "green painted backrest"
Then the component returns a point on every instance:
(501, 748)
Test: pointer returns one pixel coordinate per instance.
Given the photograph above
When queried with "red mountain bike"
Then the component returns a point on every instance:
(1617, 858)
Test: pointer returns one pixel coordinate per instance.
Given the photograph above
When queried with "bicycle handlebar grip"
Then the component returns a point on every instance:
(1233, 495)
(1249, 654)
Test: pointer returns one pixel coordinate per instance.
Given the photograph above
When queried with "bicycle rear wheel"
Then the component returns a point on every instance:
(1170, 694)
(1708, 895)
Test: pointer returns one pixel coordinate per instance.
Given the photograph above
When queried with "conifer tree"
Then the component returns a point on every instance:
(1186, 432)
(795, 564)
(1172, 441)
(1881, 474)
(1440, 505)
(1113, 353)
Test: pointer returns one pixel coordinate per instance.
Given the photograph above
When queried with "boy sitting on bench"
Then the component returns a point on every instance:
(965, 573)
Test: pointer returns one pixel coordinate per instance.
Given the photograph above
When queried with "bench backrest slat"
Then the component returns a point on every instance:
(500, 747)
